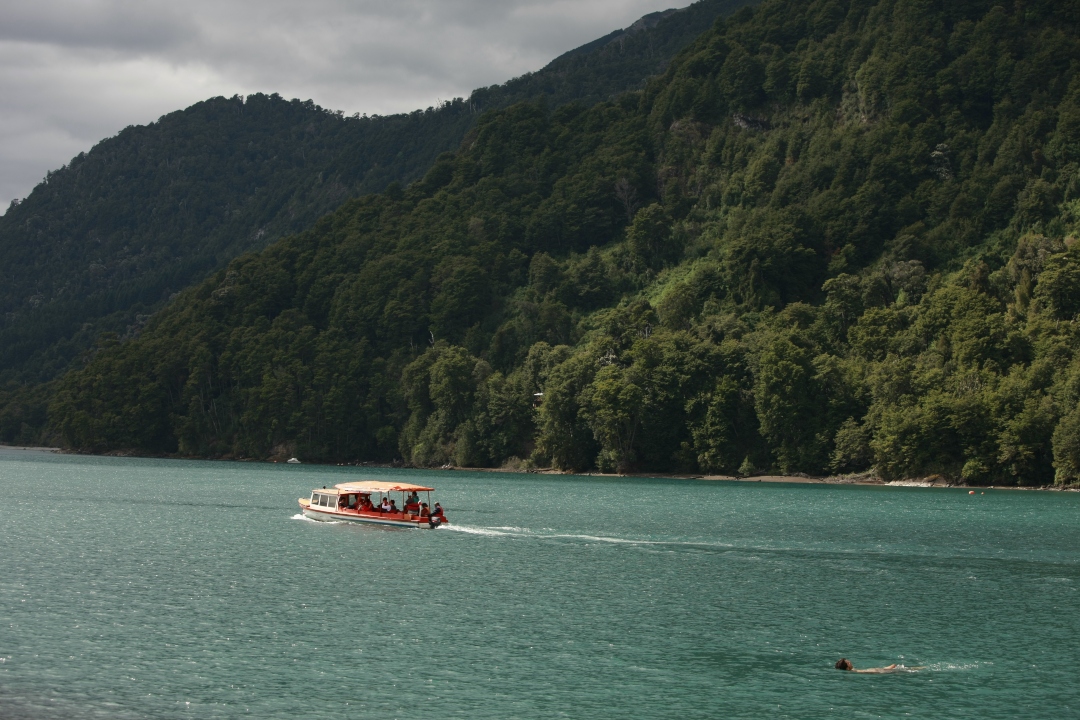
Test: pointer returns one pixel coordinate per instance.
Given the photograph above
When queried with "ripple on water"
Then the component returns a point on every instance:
(185, 595)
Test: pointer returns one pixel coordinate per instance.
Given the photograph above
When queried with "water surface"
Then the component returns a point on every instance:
(142, 588)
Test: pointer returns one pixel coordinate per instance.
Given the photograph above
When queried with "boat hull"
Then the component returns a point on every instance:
(367, 519)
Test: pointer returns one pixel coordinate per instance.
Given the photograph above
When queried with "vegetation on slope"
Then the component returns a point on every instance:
(611, 65)
(105, 241)
(834, 236)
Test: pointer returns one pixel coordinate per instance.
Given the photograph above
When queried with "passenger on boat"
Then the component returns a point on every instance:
(342, 502)
(438, 512)
(385, 507)
(393, 507)
(424, 512)
(412, 503)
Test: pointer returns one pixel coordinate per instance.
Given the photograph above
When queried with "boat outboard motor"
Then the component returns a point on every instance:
(434, 522)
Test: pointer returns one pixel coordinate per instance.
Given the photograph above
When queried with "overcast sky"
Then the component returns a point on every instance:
(73, 72)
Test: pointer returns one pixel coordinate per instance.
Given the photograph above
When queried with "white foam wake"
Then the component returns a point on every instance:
(305, 518)
(958, 666)
(614, 540)
(507, 531)
(491, 532)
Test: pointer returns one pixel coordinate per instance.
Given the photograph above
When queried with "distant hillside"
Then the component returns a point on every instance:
(613, 64)
(106, 240)
(834, 236)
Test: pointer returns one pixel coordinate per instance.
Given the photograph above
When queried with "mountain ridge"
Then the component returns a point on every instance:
(831, 237)
(106, 240)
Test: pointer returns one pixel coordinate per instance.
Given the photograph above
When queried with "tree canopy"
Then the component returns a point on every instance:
(833, 236)
(108, 239)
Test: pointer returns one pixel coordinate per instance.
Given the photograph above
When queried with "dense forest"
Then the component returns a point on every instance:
(107, 240)
(832, 237)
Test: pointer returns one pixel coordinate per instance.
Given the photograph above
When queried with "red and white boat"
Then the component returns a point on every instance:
(362, 501)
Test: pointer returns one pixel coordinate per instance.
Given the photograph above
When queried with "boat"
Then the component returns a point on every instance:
(354, 502)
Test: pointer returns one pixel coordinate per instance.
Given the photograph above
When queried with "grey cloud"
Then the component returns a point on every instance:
(75, 71)
(119, 25)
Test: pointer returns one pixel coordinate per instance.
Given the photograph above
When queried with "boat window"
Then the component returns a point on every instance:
(325, 501)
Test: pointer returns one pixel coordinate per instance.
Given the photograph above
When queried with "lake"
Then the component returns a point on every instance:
(134, 588)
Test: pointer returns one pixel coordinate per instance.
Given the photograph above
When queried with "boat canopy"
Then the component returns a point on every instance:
(374, 486)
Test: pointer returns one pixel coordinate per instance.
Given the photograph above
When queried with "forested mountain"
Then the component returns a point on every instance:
(833, 236)
(109, 238)
(613, 64)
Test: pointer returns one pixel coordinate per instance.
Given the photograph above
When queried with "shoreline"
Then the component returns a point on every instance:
(32, 448)
(932, 481)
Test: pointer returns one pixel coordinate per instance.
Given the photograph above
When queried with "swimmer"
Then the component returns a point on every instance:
(845, 664)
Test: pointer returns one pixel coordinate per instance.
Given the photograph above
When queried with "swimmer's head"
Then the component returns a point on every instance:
(844, 664)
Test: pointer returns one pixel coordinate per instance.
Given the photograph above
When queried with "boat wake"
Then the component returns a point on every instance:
(305, 518)
(546, 534)
(620, 541)
(504, 531)
(491, 532)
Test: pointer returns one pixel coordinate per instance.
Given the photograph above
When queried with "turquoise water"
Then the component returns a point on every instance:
(142, 588)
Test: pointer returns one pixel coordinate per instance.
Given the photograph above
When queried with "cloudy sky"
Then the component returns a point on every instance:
(75, 71)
